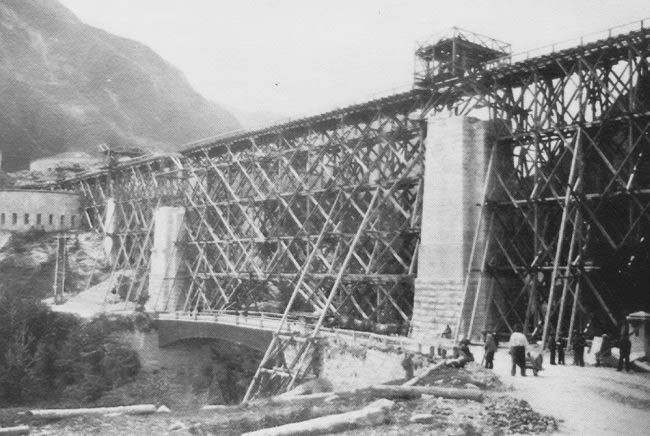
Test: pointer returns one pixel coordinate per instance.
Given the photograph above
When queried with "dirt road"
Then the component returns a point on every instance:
(589, 400)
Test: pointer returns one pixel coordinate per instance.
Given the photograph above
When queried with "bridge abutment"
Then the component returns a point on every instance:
(455, 165)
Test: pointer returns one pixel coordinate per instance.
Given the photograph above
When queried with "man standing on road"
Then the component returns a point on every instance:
(624, 347)
(551, 348)
(490, 349)
(518, 344)
(579, 344)
(560, 345)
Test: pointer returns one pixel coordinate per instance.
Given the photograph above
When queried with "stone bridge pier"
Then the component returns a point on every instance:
(165, 289)
(457, 152)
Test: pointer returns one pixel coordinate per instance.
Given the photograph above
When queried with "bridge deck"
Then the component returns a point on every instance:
(256, 330)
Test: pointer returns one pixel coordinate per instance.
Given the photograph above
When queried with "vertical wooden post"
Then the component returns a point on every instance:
(470, 262)
(574, 240)
(576, 296)
(560, 238)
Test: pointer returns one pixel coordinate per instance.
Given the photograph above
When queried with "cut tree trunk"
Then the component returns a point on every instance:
(140, 409)
(387, 391)
(13, 431)
(371, 415)
(431, 368)
(412, 391)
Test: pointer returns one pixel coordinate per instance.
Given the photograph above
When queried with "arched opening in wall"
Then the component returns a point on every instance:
(14, 218)
(62, 221)
(2, 218)
(39, 218)
(216, 368)
(73, 220)
(26, 219)
(51, 221)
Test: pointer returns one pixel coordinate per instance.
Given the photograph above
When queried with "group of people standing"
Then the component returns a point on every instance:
(556, 347)
(518, 345)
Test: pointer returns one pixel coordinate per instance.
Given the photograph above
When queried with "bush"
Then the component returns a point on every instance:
(44, 353)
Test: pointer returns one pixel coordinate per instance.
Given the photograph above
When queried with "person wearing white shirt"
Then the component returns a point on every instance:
(518, 344)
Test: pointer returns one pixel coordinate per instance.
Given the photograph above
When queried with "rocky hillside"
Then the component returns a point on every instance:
(67, 86)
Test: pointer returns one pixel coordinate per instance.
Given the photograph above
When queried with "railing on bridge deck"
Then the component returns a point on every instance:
(299, 324)
(571, 43)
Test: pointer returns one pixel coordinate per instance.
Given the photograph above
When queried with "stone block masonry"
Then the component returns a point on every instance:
(455, 164)
(166, 258)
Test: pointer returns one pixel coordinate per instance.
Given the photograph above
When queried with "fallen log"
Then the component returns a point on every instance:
(139, 409)
(431, 368)
(386, 391)
(416, 391)
(216, 407)
(374, 414)
(14, 431)
(428, 370)
(302, 398)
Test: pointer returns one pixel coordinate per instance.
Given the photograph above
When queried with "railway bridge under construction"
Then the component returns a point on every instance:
(501, 189)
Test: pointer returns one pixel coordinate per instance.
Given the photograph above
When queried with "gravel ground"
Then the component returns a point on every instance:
(587, 400)
(594, 401)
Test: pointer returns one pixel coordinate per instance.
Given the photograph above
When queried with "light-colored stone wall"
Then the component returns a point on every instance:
(166, 259)
(22, 210)
(454, 173)
(455, 164)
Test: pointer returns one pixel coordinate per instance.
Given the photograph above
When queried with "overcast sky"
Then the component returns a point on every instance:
(300, 57)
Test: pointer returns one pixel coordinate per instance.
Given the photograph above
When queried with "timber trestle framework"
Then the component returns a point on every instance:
(323, 213)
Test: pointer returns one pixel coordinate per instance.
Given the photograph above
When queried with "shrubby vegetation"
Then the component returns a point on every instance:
(48, 355)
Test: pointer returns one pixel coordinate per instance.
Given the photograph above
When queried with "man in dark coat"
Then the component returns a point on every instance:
(551, 348)
(560, 345)
(624, 346)
(579, 345)
(490, 349)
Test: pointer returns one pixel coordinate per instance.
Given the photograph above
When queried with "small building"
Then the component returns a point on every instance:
(68, 161)
(22, 210)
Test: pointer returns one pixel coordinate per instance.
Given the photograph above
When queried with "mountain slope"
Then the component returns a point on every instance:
(67, 86)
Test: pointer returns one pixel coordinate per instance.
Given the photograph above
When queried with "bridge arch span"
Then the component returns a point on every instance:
(171, 332)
